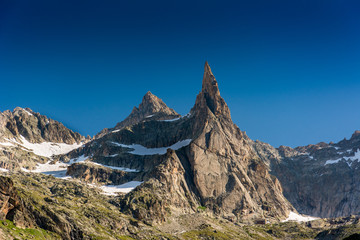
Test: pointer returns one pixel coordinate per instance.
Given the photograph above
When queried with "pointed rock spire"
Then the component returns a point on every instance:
(209, 83)
(209, 97)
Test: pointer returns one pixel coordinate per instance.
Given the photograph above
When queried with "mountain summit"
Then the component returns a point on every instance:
(151, 107)
(209, 98)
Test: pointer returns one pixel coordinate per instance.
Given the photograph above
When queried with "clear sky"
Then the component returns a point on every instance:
(289, 70)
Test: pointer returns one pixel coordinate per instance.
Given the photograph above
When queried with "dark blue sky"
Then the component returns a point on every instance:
(289, 70)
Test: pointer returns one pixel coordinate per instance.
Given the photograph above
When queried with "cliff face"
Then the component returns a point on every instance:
(230, 177)
(319, 180)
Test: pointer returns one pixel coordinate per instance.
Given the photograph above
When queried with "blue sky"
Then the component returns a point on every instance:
(289, 70)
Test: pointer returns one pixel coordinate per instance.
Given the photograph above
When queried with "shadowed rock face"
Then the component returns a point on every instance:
(219, 169)
(319, 180)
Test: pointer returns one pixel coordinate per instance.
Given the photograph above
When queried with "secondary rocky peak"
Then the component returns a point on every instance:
(355, 134)
(209, 97)
(150, 107)
(35, 128)
(152, 104)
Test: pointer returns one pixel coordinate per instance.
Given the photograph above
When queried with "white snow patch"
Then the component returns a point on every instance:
(349, 160)
(27, 112)
(123, 188)
(113, 155)
(57, 169)
(46, 149)
(4, 170)
(170, 120)
(81, 158)
(6, 144)
(141, 150)
(332, 161)
(149, 116)
(175, 119)
(298, 218)
(336, 148)
(117, 130)
(25, 170)
(117, 168)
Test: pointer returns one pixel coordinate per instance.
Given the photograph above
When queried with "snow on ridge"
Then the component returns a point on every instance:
(46, 149)
(298, 218)
(112, 155)
(141, 150)
(170, 120)
(175, 119)
(27, 112)
(349, 160)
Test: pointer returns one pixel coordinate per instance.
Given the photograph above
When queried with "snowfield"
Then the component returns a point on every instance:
(45, 149)
(123, 188)
(59, 169)
(298, 218)
(117, 168)
(141, 150)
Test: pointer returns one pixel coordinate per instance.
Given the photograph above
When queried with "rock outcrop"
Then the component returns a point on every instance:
(11, 205)
(97, 174)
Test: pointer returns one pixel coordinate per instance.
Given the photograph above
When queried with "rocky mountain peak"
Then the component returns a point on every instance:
(36, 128)
(209, 98)
(152, 104)
(355, 134)
(150, 107)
